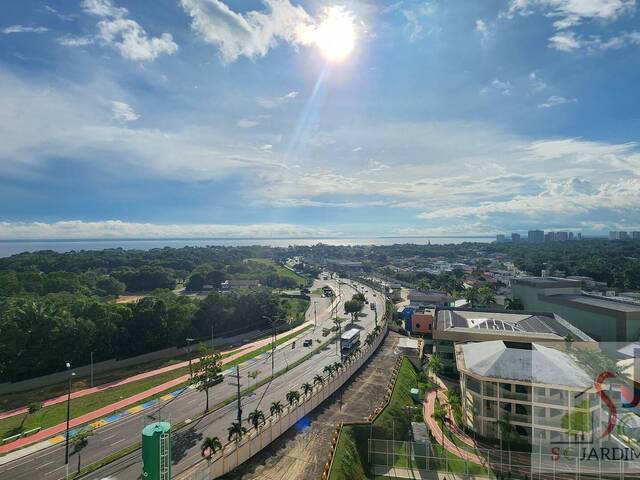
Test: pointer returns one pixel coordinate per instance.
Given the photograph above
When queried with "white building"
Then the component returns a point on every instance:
(539, 388)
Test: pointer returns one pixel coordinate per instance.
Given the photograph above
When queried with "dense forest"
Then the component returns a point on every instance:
(59, 307)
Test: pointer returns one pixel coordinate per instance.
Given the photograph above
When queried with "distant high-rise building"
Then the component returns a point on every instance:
(635, 235)
(579, 236)
(536, 236)
(571, 236)
(549, 236)
(500, 238)
(623, 236)
(561, 236)
(515, 237)
(613, 235)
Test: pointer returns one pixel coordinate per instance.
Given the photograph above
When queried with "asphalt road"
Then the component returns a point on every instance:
(49, 464)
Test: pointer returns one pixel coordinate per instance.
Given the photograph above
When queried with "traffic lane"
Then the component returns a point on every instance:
(216, 424)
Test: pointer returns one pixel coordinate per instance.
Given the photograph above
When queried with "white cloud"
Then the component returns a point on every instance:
(267, 147)
(61, 16)
(274, 102)
(126, 35)
(537, 83)
(483, 29)
(71, 41)
(357, 149)
(123, 112)
(415, 17)
(245, 123)
(565, 42)
(77, 229)
(251, 34)
(502, 87)
(555, 100)
(23, 29)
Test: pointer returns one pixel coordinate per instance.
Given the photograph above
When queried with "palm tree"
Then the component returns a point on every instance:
(256, 418)
(440, 416)
(210, 446)
(328, 370)
(355, 351)
(435, 365)
(369, 339)
(471, 296)
(293, 396)
(318, 380)
(337, 366)
(236, 431)
(307, 388)
(276, 408)
(513, 304)
(487, 295)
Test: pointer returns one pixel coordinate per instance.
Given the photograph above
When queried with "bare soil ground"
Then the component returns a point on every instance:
(302, 452)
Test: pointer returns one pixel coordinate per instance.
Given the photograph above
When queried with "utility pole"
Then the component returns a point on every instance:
(92, 368)
(66, 446)
(274, 334)
(189, 340)
(315, 316)
(239, 404)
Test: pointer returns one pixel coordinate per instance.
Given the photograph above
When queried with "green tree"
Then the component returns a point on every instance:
(486, 296)
(318, 380)
(513, 304)
(256, 418)
(206, 372)
(329, 370)
(293, 396)
(276, 408)
(209, 447)
(81, 439)
(577, 421)
(471, 296)
(236, 432)
(353, 308)
(435, 365)
(32, 408)
(307, 388)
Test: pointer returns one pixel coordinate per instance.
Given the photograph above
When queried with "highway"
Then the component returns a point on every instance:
(49, 464)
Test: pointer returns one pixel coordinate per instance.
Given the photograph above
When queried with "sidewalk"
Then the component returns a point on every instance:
(242, 350)
(428, 408)
(110, 409)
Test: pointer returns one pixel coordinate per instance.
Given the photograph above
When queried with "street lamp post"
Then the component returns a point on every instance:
(189, 340)
(274, 334)
(66, 447)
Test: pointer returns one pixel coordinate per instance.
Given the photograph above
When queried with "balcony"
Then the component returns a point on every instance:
(552, 400)
(524, 397)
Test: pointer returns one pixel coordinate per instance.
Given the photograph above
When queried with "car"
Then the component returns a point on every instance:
(307, 343)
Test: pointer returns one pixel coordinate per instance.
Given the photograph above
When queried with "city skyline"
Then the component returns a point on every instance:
(204, 118)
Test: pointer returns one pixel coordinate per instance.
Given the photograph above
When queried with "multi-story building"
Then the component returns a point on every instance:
(536, 236)
(515, 237)
(623, 236)
(457, 325)
(613, 235)
(561, 236)
(604, 319)
(539, 390)
(500, 238)
(635, 235)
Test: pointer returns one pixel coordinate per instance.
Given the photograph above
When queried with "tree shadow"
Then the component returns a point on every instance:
(183, 441)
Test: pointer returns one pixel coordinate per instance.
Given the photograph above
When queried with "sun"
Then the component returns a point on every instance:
(335, 36)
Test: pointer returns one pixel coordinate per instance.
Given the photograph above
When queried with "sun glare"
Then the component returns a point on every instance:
(335, 36)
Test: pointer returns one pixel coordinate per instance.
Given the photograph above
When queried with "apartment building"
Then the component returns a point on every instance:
(542, 391)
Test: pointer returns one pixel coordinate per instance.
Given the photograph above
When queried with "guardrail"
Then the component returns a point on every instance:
(234, 454)
(13, 438)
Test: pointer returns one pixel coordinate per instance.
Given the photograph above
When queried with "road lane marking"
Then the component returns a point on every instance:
(55, 470)
(44, 465)
(121, 440)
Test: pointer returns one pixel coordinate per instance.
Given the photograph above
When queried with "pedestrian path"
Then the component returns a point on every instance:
(231, 355)
(51, 436)
(428, 408)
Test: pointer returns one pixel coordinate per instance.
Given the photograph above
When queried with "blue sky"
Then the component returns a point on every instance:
(224, 118)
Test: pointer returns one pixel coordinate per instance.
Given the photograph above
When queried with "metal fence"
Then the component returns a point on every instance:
(397, 458)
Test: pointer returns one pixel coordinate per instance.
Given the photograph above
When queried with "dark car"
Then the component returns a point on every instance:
(307, 343)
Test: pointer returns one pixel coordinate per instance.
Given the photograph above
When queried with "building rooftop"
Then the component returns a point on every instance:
(530, 363)
(609, 303)
(545, 282)
(508, 321)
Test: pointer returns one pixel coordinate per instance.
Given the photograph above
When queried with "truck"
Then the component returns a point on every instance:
(350, 339)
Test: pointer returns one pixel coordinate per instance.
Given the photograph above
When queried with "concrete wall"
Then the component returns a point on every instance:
(234, 454)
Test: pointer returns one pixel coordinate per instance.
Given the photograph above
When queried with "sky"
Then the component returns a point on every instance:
(227, 118)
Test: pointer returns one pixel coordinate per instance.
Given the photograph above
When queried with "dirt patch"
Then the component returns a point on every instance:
(302, 452)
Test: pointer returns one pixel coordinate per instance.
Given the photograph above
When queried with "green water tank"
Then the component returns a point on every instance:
(156, 451)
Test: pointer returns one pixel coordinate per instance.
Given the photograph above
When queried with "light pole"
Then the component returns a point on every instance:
(66, 447)
(274, 333)
(315, 316)
(92, 368)
(189, 340)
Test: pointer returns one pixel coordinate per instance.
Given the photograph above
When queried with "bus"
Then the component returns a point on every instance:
(350, 339)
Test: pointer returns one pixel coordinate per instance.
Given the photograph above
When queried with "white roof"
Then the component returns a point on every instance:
(349, 334)
(540, 365)
(404, 342)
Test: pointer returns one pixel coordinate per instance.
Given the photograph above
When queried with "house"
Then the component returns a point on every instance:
(429, 297)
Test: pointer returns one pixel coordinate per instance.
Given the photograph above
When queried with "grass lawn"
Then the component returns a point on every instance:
(280, 270)
(295, 308)
(55, 414)
(347, 461)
